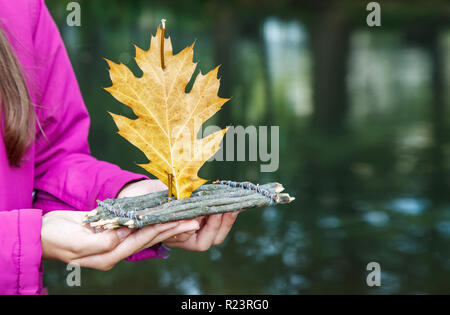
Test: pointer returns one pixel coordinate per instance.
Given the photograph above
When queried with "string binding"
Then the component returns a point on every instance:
(119, 212)
(250, 186)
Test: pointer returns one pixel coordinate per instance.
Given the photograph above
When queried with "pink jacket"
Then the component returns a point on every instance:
(59, 168)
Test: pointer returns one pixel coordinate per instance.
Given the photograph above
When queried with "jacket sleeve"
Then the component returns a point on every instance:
(65, 170)
(66, 175)
(20, 257)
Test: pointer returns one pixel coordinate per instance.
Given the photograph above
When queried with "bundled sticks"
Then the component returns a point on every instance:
(219, 197)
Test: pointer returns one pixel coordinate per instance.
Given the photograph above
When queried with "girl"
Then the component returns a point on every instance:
(47, 174)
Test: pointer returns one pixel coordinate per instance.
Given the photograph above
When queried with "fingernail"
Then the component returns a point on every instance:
(234, 214)
(219, 216)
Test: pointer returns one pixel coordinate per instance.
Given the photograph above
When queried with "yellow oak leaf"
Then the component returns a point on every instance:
(168, 118)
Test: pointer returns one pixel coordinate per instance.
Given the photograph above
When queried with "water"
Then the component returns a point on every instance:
(364, 143)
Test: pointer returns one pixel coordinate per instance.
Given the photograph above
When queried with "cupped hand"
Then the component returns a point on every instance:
(213, 229)
(64, 238)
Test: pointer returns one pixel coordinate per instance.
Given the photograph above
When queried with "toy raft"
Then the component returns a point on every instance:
(157, 207)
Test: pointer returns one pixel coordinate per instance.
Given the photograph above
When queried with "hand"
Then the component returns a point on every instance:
(64, 238)
(213, 231)
(144, 187)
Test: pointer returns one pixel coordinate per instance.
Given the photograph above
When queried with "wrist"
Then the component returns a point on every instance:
(141, 187)
(44, 237)
(126, 188)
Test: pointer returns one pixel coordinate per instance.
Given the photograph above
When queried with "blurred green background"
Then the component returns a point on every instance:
(364, 140)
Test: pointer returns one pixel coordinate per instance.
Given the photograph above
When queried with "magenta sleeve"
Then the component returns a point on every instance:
(21, 251)
(64, 168)
(66, 175)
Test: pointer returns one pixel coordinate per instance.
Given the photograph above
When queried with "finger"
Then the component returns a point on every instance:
(185, 240)
(108, 240)
(90, 243)
(183, 237)
(202, 221)
(186, 235)
(228, 220)
(127, 247)
(203, 239)
(182, 228)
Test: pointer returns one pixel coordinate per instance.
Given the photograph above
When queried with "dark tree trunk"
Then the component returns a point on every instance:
(330, 46)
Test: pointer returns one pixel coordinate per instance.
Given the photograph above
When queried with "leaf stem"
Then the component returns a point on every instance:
(163, 22)
(170, 178)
